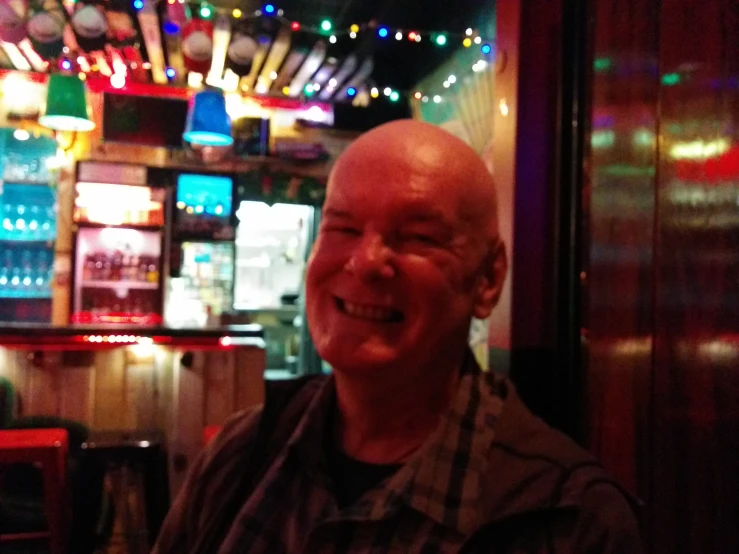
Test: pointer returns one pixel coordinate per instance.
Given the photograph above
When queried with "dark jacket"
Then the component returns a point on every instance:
(510, 485)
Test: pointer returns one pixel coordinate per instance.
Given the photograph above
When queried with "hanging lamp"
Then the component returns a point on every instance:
(207, 123)
(66, 107)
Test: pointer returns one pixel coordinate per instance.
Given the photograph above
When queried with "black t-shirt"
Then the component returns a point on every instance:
(352, 478)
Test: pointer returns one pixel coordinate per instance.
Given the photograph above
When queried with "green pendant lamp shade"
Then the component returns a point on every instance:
(207, 122)
(66, 105)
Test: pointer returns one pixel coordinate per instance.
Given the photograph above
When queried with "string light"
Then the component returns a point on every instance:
(352, 35)
(412, 36)
(237, 13)
(418, 96)
(286, 91)
(394, 97)
(269, 9)
(441, 40)
(66, 65)
(478, 40)
(447, 84)
(383, 32)
(469, 32)
(374, 93)
(354, 28)
(138, 4)
(399, 35)
(326, 25)
(351, 91)
(437, 99)
(205, 11)
(333, 39)
(118, 80)
(452, 79)
(425, 99)
(295, 26)
(467, 42)
(170, 72)
(486, 49)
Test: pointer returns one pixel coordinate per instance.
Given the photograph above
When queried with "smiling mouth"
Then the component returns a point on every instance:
(368, 313)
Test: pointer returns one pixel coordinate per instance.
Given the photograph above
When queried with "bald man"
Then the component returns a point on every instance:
(408, 446)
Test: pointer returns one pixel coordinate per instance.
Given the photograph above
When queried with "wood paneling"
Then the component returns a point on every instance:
(119, 391)
(662, 288)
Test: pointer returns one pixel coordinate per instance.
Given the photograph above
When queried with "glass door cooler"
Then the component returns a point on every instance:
(118, 254)
(200, 287)
(28, 228)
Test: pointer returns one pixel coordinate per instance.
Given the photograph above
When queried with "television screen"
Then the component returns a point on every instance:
(144, 120)
(203, 205)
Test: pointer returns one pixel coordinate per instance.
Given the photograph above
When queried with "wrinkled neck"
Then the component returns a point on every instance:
(385, 419)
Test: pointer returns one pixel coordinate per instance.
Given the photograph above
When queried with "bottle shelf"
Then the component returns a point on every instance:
(25, 295)
(28, 240)
(143, 285)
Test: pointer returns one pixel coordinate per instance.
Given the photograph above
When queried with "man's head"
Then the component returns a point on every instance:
(407, 253)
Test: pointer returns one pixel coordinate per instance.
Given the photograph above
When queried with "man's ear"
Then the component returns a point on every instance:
(490, 284)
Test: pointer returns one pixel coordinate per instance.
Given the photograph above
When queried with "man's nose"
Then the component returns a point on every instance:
(371, 259)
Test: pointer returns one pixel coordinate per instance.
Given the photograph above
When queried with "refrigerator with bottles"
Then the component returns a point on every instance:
(28, 217)
(200, 287)
(119, 247)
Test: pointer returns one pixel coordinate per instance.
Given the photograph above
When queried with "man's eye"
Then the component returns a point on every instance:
(349, 231)
(422, 239)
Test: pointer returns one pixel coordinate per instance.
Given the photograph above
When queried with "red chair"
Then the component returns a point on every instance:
(210, 432)
(48, 448)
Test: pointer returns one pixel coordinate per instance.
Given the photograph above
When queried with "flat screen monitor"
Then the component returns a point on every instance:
(203, 205)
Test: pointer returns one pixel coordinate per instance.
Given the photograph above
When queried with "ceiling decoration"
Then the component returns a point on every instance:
(236, 45)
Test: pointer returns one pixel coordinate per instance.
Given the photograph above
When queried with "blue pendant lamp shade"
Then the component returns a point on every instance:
(208, 123)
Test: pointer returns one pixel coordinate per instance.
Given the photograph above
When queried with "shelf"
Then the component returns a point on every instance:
(142, 285)
(29, 241)
(22, 182)
(134, 226)
(11, 295)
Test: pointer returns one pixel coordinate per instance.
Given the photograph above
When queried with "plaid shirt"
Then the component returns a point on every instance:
(436, 502)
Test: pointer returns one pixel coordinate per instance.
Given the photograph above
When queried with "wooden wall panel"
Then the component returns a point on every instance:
(117, 390)
(220, 387)
(663, 291)
(77, 395)
(249, 383)
(111, 392)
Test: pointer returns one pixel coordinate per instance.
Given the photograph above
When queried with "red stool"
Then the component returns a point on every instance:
(49, 448)
(210, 432)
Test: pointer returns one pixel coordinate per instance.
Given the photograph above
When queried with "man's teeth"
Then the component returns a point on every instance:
(368, 312)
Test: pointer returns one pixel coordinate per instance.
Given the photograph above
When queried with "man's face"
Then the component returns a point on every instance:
(393, 272)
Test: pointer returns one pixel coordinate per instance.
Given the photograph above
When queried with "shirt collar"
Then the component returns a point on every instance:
(443, 480)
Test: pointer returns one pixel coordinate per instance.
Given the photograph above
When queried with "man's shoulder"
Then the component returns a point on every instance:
(533, 466)
(285, 401)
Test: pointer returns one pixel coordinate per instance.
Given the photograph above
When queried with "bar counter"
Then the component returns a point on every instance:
(80, 337)
(172, 382)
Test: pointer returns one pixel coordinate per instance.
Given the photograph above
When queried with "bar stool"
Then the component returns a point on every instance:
(49, 448)
(137, 474)
(210, 432)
